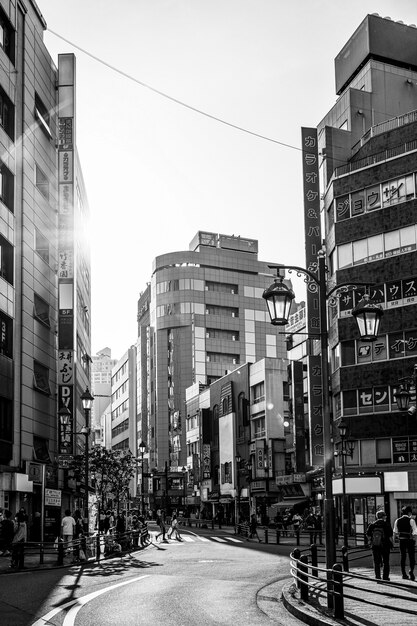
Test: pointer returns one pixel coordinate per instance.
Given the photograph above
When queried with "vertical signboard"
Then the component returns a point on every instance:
(313, 244)
(298, 413)
(66, 141)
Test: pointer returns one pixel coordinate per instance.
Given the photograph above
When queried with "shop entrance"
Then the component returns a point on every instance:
(364, 512)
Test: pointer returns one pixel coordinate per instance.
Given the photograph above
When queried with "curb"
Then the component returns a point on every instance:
(306, 613)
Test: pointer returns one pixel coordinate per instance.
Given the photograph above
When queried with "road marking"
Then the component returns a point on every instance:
(79, 602)
(204, 539)
(219, 539)
(185, 538)
(235, 540)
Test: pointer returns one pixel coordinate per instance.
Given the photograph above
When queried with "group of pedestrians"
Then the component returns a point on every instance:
(161, 521)
(381, 536)
(13, 534)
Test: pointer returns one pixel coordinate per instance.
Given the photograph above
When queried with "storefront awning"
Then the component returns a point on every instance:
(288, 503)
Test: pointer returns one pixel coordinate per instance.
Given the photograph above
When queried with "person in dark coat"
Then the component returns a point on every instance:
(6, 533)
(381, 548)
(405, 528)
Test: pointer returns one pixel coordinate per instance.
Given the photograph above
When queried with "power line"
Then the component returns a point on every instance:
(171, 98)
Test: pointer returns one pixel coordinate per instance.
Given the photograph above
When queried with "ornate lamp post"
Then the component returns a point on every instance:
(142, 448)
(368, 315)
(403, 395)
(87, 402)
(346, 449)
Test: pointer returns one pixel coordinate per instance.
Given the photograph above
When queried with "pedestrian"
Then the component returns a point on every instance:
(380, 533)
(174, 528)
(405, 529)
(67, 530)
(253, 528)
(310, 524)
(319, 529)
(6, 533)
(161, 523)
(297, 520)
(18, 543)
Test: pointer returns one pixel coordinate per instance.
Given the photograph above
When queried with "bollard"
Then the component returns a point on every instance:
(278, 536)
(314, 560)
(98, 546)
(345, 558)
(266, 535)
(296, 555)
(339, 611)
(303, 575)
(41, 553)
(60, 560)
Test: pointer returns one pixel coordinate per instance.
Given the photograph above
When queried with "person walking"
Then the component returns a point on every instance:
(67, 530)
(380, 533)
(161, 524)
(6, 533)
(174, 528)
(405, 529)
(310, 524)
(253, 528)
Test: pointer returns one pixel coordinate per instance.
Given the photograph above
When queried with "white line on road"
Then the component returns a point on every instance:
(219, 539)
(235, 540)
(79, 602)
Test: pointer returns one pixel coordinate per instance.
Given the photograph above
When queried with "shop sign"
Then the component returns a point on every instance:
(52, 497)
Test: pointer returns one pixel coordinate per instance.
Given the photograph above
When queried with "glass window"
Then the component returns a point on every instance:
(42, 115)
(408, 239)
(360, 251)
(383, 451)
(6, 260)
(6, 336)
(42, 245)
(41, 310)
(350, 402)
(375, 247)
(7, 187)
(358, 203)
(42, 182)
(409, 186)
(344, 256)
(373, 198)
(41, 378)
(368, 452)
(342, 208)
(348, 352)
(392, 243)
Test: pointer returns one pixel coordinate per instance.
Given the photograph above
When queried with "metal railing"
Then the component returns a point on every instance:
(83, 549)
(338, 584)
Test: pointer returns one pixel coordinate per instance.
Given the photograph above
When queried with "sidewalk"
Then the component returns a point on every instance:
(376, 612)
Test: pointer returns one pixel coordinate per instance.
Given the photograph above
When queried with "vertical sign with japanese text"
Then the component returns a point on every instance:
(313, 244)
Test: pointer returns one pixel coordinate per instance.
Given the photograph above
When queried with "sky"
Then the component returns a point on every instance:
(157, 171)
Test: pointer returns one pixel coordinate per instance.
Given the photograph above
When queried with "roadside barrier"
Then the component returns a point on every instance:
(83, 549)
(313, 579)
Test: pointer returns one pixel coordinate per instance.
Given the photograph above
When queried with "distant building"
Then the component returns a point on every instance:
(101, 369)
(201, 316)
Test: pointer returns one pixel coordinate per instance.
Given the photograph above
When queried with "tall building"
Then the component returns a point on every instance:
(369, 169)
(201, 316)
(45, 267)
(101, 369)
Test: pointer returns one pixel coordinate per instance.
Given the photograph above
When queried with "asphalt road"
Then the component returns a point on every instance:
(210, 578)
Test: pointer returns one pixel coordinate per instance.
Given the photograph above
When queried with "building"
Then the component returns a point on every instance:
(236, 442)
(201, 316)
(45, 269)
(369, 166)
(101, 369)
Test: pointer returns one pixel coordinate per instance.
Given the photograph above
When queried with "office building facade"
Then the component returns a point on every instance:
(369, 169)
(201, 316)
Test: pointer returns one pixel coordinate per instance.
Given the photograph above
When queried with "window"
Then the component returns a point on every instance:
(6, 260)
(258, 427)
(6, 420)
(41, 450)
(7, 36)
(225, 406)
(221, 287)
(6, 114)
(258, 392)
(42, 115)
(41, 311)
(120, 428)
(6, 335)
(41, 245)
(383, 451)
(123, 445)
(6, 187)
(41, 378)
(42, 182)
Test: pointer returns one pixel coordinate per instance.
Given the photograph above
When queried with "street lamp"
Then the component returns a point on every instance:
(345, 450)
(237, 498)
(87, 402)
(403, 396)
(184, 478)
(142, 448)
(279, 298)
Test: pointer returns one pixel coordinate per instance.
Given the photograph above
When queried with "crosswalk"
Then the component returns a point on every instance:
(198, 539)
